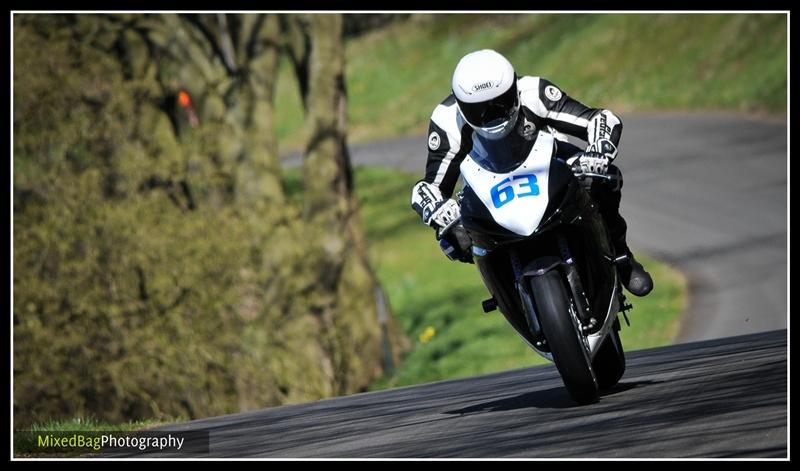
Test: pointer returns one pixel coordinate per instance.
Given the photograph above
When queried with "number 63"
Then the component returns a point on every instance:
(512, 187)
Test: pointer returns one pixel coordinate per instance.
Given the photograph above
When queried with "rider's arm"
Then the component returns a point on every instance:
(565, 114)
(446, 132)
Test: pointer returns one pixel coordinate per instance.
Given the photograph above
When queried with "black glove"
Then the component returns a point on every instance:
(456, 243)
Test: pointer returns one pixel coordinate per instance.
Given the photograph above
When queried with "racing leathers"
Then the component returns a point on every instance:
(543, 106)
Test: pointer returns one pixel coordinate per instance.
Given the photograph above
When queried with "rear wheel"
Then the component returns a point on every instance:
(609, 362)
(570, 354)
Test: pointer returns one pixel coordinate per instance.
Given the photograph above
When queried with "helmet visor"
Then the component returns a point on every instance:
(494, 111)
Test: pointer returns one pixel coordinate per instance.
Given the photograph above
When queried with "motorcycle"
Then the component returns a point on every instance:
(544, 254)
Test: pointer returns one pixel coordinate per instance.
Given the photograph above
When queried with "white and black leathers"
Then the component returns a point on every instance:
(543, 106)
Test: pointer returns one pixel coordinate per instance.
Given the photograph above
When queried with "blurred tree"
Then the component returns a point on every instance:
(228, 64)
(316, 46)
(358, 24)
(158, 269)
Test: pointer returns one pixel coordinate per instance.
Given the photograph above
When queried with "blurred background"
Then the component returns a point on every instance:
(191, 236)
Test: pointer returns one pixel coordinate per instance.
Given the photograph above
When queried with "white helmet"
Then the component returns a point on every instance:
(485, 87)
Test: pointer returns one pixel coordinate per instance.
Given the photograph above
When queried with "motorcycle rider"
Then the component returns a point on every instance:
(490, 100)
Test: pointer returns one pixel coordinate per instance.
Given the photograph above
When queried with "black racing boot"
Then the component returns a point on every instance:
(634, 277)
(632, 274)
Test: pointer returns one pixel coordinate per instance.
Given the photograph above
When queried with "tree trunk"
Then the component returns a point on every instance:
(327, 171)
(348, 315)
(226, 65)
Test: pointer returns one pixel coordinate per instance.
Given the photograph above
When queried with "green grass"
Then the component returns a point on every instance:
(426, 290)
(625, 62)
(25, 447)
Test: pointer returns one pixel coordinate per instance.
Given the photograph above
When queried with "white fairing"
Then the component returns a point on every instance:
(522, 199)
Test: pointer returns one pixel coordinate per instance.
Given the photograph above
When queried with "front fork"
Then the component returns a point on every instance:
(567, 267)
(589, 323)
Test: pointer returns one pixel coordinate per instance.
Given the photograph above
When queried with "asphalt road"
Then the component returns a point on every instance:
(722, 398)
(706, 193)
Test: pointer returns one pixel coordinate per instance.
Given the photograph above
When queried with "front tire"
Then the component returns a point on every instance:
(570, 355)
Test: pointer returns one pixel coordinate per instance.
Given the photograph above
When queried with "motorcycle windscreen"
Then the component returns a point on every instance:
(500, 155)
(516, 199)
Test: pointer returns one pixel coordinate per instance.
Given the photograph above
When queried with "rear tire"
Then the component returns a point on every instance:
(570, 355)
(609, 362)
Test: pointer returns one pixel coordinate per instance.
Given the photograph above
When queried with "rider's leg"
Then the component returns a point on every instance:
(632, 273)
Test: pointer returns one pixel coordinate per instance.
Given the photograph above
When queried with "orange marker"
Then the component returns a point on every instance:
(183, 99)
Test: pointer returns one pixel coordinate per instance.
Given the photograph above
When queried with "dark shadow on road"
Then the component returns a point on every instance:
(552, 398)
(625, 386)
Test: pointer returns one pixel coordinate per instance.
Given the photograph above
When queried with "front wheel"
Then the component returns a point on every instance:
(560, 328)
